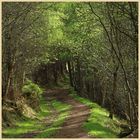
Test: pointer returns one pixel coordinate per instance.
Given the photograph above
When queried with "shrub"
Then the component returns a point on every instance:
(32, 93)
(31, 89)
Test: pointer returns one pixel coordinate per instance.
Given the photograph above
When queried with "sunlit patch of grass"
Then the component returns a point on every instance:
(63, 110)
(21, 127)
(51, 130)
(59, 106)
(27, 125)
(44, 109)
(99, 124)
(48, 132)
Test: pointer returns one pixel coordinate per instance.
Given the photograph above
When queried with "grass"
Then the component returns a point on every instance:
(63, 111)
(51, 130)
(21, 127)
(99, 124)
(26, 125)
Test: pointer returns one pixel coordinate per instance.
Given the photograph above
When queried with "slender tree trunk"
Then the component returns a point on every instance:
(55, 73)
(79, 75)
(61, 68)
(119, 60)
(70, 73)
(9, 89)
(113, 93)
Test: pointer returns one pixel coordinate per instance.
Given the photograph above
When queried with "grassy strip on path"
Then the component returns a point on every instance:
(63, 110)
(99, 124)
(27, 125)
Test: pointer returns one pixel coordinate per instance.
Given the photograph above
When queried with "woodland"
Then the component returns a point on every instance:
(70, 69)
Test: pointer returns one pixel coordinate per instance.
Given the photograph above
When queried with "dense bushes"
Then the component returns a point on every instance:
(32, 93)
(31, 89)
(24, 105)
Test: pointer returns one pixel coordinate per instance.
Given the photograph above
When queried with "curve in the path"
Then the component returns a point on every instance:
(73, 125)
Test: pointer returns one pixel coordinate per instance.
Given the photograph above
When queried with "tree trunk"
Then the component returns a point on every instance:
(113, 93)
(70, 73)
(55, 73)
(79, 76)
(9, 89)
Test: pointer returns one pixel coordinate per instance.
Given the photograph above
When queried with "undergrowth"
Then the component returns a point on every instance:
(30, 88)
(27, 125)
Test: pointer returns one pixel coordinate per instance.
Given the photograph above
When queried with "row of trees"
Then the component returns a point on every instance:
(102, 54)
(96, 42)
(22, 49)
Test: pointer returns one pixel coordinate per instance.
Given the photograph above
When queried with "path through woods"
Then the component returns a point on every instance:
(72, 127)
(93, 47)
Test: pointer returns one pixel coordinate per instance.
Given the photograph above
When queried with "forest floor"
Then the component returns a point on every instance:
(66, 115)
(72, 126)
(79, 113)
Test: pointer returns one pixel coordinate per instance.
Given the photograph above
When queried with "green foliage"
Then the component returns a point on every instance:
(31, 89)
(65, 31)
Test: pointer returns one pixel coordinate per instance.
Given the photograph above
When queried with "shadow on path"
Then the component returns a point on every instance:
(72, 127)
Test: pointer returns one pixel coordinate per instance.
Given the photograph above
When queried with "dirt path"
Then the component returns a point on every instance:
(72, 127)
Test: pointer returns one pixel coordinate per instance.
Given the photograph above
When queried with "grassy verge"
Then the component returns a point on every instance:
(99, 124)
(27, 125)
